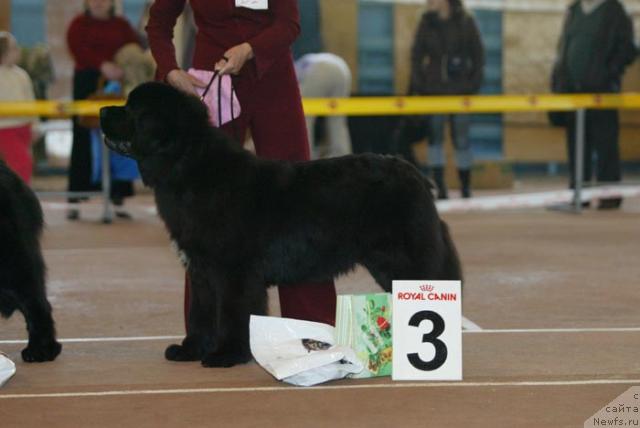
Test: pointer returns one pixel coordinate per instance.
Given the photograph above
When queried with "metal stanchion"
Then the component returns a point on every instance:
(579, 159)
(107, 214)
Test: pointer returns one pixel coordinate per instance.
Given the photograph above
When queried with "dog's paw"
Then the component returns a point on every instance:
(181, 353)
(225, 359)
(41, 353)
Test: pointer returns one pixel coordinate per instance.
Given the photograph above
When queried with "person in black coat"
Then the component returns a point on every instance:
(595, 48)
(447, 58)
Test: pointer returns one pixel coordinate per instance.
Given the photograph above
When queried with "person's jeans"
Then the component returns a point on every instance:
(459, 134)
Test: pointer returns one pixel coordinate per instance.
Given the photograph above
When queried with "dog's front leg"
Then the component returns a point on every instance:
(200, 326)
(237, 300)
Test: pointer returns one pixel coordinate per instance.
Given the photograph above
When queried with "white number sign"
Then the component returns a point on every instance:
(427, 330)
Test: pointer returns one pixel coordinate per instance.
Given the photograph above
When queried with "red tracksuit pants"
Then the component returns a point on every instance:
(15, 150)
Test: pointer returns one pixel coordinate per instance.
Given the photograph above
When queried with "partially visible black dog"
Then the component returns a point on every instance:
(245, 223)
(22, 269)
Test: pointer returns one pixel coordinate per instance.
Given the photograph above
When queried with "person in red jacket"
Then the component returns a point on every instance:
(94, 37)
(249, 40)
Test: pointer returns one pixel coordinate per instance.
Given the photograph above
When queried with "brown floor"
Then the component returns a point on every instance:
(534, 271)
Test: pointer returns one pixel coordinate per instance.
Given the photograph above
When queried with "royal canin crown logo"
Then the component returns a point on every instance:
(426, 287)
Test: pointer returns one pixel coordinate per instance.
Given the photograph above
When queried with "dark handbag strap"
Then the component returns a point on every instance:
(206, 89)
(216, 73)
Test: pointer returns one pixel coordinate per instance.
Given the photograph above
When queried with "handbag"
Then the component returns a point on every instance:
(219, 96)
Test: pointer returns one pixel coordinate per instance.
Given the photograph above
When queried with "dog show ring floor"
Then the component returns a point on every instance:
(553, 333)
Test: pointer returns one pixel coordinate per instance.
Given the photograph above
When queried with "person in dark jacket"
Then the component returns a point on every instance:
(596, 46)
(447, 59)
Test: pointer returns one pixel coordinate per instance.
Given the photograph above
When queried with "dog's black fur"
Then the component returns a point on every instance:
(245, 223)
(22, 269)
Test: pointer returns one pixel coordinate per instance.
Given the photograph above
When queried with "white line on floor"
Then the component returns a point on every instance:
(102, 339)
(482, 203)
(557, 330)
(323, 388)
(468, 325)
(534, 200)
(470, 331)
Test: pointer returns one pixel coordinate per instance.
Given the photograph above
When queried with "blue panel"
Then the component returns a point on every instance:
(28, 21)
(133, 10)
(486, 132)
(310, 38)
(375, 49)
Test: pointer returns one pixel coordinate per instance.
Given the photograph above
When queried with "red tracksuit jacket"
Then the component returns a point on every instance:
(266, 86)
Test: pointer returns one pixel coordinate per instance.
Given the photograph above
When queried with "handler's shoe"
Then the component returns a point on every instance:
(610, 204)
(73, 214)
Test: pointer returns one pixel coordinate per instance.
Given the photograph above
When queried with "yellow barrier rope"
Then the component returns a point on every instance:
(374, 106)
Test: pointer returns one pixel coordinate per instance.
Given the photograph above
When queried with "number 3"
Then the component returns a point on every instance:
(441, 349)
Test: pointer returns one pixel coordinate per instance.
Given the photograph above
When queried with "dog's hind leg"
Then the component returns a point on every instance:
(29, 297)
(8, 303)
(402, 265)
(383, 277)
(33, 303)
(42, 344)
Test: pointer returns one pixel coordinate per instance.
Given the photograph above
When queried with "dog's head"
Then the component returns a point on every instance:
(156, 127)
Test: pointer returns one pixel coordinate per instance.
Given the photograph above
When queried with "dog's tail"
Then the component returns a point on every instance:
(451, 267)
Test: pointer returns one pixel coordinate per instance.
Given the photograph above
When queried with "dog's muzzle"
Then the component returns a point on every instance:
(117, 128)
(121, 147)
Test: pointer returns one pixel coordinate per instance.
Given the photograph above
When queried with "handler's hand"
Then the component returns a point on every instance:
(111, 71)
(234, 59)
(184, 81)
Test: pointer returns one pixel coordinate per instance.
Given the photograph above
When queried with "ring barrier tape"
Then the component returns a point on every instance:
(373, 106)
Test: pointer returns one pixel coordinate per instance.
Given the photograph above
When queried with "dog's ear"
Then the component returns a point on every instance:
(195, 114)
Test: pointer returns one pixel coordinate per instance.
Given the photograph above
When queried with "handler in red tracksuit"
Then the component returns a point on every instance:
(253, 45)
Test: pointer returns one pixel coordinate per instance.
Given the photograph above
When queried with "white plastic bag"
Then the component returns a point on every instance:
(298, 352)
(7, 369)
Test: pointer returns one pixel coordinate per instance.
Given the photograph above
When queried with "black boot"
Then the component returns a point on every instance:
(438, 177)
(465, 182)
(610, 204)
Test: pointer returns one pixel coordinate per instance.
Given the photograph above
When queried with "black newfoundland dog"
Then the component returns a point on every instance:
(22, 269)
(244, 223)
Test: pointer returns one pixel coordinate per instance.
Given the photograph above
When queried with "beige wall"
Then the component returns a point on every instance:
(529, 50)
(340, 31)
(59, 15)
(530, 40)
(527, 63)
(5, 15)
(406, 20)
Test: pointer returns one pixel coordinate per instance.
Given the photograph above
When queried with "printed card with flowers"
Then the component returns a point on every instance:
(363, 322)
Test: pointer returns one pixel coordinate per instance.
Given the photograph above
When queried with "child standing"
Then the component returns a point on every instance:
(15, 132)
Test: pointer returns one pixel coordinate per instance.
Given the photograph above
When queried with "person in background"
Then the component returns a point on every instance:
(325, 75)
(321, 75)
(595, 48)
(15, 132)
(447, 58)
(93, 38)
(251, 41)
